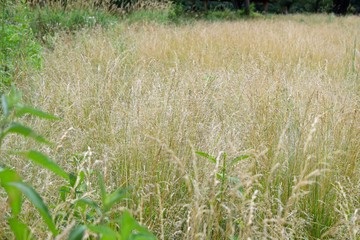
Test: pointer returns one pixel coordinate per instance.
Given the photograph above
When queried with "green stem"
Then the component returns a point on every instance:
(3, 3)
(223, 178)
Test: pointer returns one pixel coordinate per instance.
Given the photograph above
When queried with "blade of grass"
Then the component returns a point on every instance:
(20, 230)
(22, 110)
(37, 201)
(77, 233)
(14, 194)
(208, 156)
(25, 131)
(46, 162)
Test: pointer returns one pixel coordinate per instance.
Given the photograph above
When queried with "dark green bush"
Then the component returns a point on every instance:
(48, 20)
(18, 46)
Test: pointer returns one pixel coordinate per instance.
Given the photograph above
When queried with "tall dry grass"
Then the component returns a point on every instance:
(138, 101)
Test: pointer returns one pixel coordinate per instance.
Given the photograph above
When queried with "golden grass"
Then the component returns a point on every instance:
(143, 98)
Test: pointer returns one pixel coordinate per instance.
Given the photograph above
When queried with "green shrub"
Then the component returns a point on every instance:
(18, 46)
(48, 20)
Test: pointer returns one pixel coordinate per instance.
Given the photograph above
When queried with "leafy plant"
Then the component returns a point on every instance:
(18, 47)
(101, 224)
(222, 171)
(47, 21)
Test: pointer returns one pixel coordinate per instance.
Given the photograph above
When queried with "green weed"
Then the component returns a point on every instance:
(99, 220)
(18, 48)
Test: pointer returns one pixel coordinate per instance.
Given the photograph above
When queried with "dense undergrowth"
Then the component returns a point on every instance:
(19, 50)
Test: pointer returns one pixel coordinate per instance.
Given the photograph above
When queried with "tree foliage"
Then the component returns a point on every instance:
(339, 7)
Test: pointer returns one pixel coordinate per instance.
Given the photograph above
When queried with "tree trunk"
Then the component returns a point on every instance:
(266, 5)
(193, 5)
(317, 6)
(247, 7)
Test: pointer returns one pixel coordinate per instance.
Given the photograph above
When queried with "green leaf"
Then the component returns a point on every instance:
(5, 106)
(14, 194)
(25, 131)
(64, 190)
(221, 176)
(82, 202)
(79, 179)
(72, 179)
(89, 202)
(20, 230)
(114, 198)
(22, 110)
(127, 224)
(102, 189)
(131, 228)
(208, 156)
(143, 236)
(37, 201)
(77, 232)
(106, 232)
(44, 161)
(13, 97)
(239, 158)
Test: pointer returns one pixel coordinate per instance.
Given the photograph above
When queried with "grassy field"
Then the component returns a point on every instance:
(274, 101)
